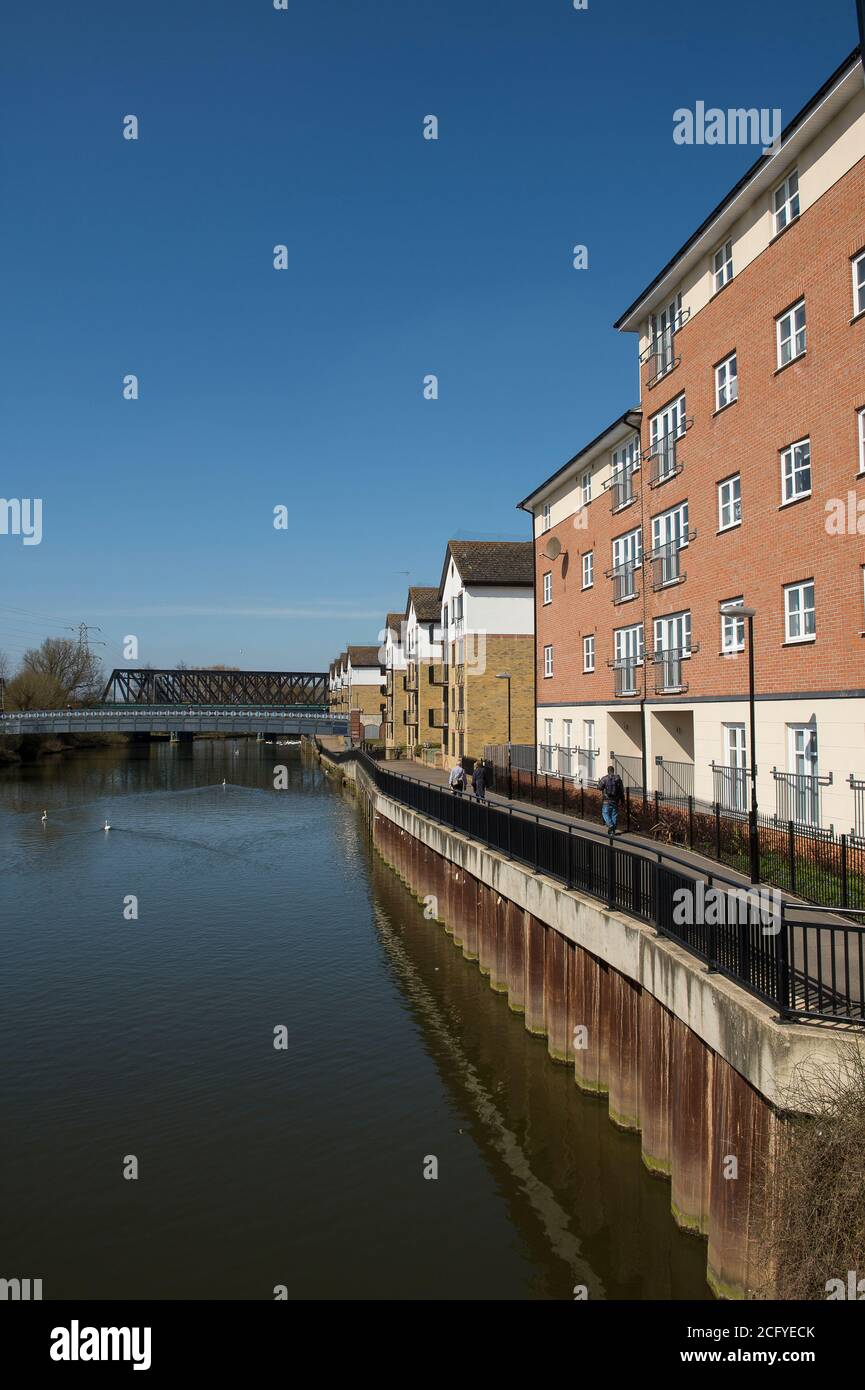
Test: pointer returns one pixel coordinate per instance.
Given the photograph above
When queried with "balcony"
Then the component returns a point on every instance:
(621, 488)
(665, 460)
(667, 562)
(799, 796)
(669, 668)
(624, 579)
(661, 356)
(437, 719)
(625, 673)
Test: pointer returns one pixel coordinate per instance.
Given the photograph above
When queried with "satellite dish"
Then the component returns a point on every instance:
(553, 550)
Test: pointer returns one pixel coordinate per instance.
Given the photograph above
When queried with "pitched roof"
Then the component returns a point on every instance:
(426, 602)
(364, 656)
(629, 421)
(491, 562)
(395, 621)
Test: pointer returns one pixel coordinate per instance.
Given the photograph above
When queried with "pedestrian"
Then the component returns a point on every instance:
(612, 794)
(457, 779)
(479, 780)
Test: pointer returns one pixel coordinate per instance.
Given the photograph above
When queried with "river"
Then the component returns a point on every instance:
(150, 1037)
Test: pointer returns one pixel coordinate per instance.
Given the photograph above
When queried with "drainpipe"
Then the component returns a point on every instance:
(634, 418)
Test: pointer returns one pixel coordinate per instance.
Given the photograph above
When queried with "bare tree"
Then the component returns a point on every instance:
(72, 666)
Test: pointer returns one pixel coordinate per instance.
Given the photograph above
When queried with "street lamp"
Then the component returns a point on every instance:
(738, 610)
(506, 676)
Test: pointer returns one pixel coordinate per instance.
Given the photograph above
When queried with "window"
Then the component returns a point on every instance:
(627, 559)
(588, 569)
(729, 502)
(628, 656)
(545, 523)
(785, 202)
(799, 611)
(861, 418)
(548, 661)
(792, 334)
(663, 327)
(722, 265)
(669, 536)
(859, 284)
(726, 382)
(665, 429)
(548, 588)
(625, 463)
(732, 628)
(589, 653)
(546, 748)
(796, 471)
(586, 487)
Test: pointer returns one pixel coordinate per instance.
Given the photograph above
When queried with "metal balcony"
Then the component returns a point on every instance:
(624, 582)
(799, 796)
(625, 674)
(669, 669)
(620, 486)
(665, 460)
(667, 561)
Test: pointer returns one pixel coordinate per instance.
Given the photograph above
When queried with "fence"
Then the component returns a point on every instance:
(807, 966)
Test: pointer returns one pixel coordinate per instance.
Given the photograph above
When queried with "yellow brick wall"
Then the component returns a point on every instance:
(429, 699)
(486, 698)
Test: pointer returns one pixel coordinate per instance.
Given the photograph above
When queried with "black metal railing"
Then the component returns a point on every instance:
(803, 961)
(731, 787)
(630, 769)
(857, 786)
(798, 796)
(675, 780)
(621, 488)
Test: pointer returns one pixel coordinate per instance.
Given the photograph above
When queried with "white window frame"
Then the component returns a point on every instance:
(586, 487)
(789, 318)
(588, 569)
(730, 503)
(858, 272)
(589, 654)
(792, 468)
(670, 422)
(860, 417)
(786, 208)
(732, 627)
(676, 626)
(804, 608)
(546, 517)
(726, 382)
(548, 661)
(722, 265)
(548, 587)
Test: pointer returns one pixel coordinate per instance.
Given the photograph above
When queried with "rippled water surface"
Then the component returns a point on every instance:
(154, 1036)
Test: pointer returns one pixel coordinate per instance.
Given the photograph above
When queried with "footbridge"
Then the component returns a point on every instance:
(174, 719)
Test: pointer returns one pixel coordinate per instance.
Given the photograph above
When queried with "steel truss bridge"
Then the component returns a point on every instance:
(186, 687)
(176, 719)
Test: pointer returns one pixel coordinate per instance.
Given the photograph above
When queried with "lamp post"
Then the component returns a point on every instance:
(738, 610)
(506, 676)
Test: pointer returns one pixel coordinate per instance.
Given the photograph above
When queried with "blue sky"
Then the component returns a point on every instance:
(303, 387)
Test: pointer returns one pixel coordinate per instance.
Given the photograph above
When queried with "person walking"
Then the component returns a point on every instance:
(479, 780)
(457, 778)
(612, 795)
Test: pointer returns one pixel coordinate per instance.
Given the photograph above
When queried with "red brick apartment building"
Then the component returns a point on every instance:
(739, 480)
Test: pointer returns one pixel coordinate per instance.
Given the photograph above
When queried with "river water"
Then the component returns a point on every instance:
(151, 1038)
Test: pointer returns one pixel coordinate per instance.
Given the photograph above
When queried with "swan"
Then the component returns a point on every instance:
(44, 817)
(106, 826)
(223, 781)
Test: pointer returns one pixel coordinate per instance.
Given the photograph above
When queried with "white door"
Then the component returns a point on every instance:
(669, 535)
(665, 428)
(565, 750)
(803, 763)
(547, 747)
(589, 744)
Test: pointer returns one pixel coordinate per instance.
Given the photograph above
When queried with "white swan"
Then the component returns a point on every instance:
(223, 781)
(44, 817)
(106, 826)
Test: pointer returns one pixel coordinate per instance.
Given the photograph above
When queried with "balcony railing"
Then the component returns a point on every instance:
(665, 459)
(798, 796)
(731, 787)
(625, 673)
(668, 663)
(620, 486)
(624, 577)
(661, 352)
(667, 561)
